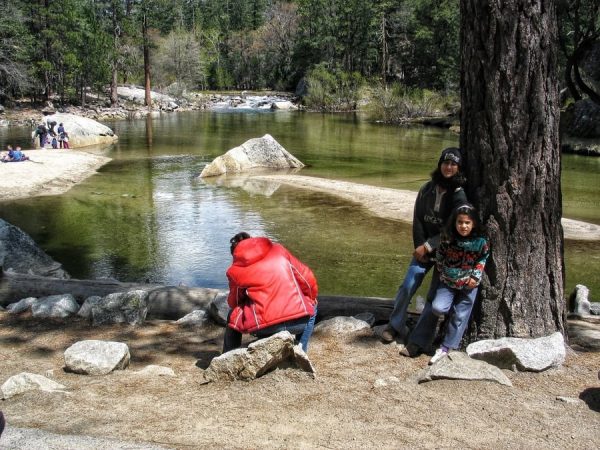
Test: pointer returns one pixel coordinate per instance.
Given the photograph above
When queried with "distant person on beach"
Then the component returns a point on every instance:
(64, 140)
(8, 155)
(269, 291)
(15, 155)
(433, 206)
(42, 133)
(460, 262)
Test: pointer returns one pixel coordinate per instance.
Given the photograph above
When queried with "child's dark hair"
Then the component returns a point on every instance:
(234, 241)
(468, 210)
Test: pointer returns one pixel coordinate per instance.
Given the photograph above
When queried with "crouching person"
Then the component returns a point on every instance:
(269, 291)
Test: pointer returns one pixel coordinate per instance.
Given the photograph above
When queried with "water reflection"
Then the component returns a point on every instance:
(146, 216)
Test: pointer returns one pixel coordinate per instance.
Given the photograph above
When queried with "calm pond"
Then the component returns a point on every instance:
(146, 216)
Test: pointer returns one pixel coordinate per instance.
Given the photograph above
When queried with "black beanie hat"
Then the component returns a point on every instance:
(451, 154)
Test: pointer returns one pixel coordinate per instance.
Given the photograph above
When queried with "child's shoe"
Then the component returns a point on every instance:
(439, 354)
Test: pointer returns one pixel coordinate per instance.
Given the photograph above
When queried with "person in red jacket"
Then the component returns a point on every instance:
(269, 291)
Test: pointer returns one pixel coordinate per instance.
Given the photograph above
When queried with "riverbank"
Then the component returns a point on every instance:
(49, 172)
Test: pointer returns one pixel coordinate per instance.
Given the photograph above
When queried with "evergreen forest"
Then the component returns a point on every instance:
(66, 48)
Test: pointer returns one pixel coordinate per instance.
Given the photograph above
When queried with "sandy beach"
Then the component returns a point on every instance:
(49, 172)
(53, 172)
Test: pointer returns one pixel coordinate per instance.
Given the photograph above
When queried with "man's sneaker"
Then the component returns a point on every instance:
(411, 350)
(389, 334)
(439, 354)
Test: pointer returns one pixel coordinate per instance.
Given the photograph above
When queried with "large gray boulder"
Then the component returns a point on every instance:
(533, 355)
(25, 381)
(259, 358)
(81, 130)
(19, 253)
(258, 153)
(137, 95)
(62, 305)
(458, 366)
(121, 307)
(94, 357)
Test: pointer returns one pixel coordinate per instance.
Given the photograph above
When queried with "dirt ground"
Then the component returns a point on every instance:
(341, 408)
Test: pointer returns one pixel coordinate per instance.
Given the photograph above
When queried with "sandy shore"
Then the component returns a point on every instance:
(50, 172)
(398, 204)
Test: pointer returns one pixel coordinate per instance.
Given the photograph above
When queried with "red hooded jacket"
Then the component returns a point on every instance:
(267, 286)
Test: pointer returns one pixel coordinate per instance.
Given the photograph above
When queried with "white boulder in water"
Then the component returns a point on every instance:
(257, 153)
(81, 130)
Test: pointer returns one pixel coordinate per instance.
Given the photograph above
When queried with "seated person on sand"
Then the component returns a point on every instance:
(8, 155)
(269, 291)
(15, 155)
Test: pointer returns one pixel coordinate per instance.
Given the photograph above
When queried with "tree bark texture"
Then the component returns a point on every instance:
(509, 133)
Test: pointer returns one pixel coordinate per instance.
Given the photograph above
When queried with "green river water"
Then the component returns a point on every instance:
(146, 216)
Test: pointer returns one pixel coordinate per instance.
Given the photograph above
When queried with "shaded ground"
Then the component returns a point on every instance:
(341, 408)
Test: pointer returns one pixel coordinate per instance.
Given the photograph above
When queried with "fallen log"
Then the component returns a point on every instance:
(169, 302)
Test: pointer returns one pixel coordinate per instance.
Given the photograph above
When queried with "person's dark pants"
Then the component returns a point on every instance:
(301, 328)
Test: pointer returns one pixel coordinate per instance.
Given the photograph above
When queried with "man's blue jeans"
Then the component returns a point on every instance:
(301, 328)
(412, 281)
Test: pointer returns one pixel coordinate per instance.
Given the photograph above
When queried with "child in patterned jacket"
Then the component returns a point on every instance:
(460, 260)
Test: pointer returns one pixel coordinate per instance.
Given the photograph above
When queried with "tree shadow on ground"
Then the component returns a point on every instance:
(591, 396)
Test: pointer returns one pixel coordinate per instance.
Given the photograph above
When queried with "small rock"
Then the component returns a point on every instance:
(26, 381)
(383, 382)
(458, 366)
(153, 370)
(195, 318)
(96, 357)
(86, 309)
(341, 325)
(571, 400)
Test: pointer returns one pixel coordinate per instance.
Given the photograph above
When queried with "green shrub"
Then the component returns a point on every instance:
(398, 103)
(332, 90)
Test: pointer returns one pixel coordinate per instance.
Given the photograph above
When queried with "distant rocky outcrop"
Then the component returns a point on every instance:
(81, 130)
(138, 95)
(258, 153)
(19, 253)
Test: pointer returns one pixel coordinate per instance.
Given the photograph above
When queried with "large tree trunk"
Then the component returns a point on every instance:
(146, 50)
(509, 131)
